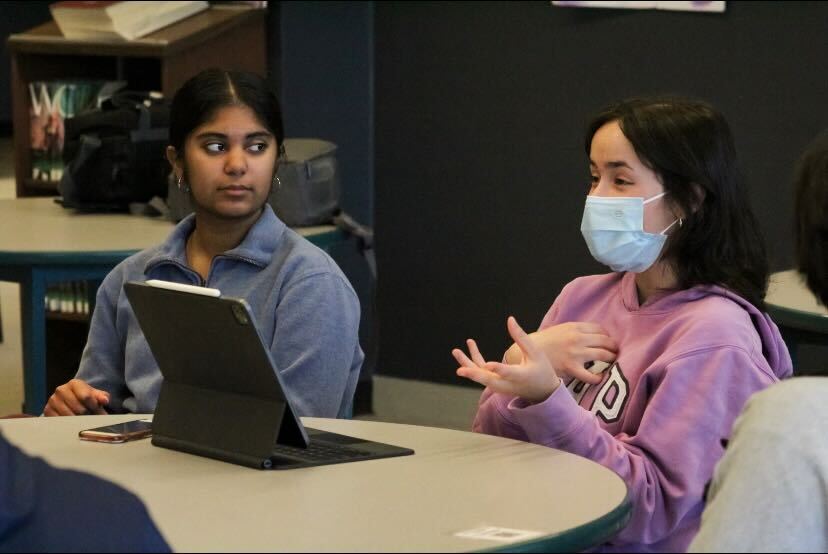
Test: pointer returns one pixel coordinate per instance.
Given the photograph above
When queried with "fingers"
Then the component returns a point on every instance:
(521, 338)
(103, 400)
(590, 328)
(66, 394)
(102, 396)
(578, 371)
(478, 375)
(476, 359)
(600, 341)
(504, 371)
(476, 356)
(65, 402)
(596, 336)
(513, 355)
(488, 379)
(599, 354)
(86, 394)
(462, 359)
(76, 398)
(57, 407)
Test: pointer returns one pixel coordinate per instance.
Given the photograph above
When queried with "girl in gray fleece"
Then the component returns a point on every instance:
(225, 140)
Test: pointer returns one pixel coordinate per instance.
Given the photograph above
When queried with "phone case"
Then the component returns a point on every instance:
(104, 436)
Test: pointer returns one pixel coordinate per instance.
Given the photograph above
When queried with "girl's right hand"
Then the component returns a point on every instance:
(533, 379)
(569, 346)
(77, 398)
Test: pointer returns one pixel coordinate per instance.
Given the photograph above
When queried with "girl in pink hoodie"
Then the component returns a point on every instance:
(644, 370)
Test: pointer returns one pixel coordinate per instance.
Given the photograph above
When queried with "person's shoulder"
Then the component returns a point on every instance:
(139, 260)
(701, 322)
(119, 521)
(714, 324)
(717, 316)
(707, 305)
(303, 257)
(132, 267)
(297, 262)
(799, 400)
(788, 415)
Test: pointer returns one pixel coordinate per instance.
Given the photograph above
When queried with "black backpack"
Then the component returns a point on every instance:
(116, 154)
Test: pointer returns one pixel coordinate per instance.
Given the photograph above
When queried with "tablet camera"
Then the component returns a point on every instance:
(240, 315)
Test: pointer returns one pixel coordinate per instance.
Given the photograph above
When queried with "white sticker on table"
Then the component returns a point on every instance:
(500, 534)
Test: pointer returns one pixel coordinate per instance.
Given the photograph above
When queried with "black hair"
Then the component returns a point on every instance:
(689, 146)
(201, 96)
(811, 207)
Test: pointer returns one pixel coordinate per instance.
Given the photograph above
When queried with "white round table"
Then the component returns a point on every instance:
(454, 483)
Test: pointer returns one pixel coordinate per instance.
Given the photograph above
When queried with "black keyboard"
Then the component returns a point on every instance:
(319, 451)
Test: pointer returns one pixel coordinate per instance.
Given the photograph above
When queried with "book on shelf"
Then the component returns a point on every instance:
(50, 104)
(68, 298)
(108, 20)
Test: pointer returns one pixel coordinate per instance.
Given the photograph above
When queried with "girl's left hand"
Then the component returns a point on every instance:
(533, 379)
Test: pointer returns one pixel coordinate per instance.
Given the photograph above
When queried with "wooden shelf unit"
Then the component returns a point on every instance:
(225, 36)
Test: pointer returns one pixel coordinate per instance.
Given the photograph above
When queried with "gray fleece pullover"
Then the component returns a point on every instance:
(306, 311)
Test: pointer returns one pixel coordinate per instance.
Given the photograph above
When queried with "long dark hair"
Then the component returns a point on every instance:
(811, 208)
(201, 96)
(689, 146)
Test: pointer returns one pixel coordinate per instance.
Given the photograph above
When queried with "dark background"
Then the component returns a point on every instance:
(480, 167)
(460, 132)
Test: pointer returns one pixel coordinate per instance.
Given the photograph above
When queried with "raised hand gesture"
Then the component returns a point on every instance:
(532, 379)
(570, 348)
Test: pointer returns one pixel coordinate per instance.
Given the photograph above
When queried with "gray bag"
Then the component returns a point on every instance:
(307, 192)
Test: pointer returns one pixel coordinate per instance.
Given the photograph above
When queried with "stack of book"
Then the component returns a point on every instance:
(108, 20)
(68, 298)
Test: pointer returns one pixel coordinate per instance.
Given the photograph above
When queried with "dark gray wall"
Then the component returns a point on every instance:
(480, 168)
(326, 58)
(327, 85)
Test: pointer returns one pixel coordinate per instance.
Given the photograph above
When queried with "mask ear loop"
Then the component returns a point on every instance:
(654, 198)
(679, 221)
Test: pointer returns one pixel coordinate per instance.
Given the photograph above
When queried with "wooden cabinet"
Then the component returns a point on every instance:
(225, 36)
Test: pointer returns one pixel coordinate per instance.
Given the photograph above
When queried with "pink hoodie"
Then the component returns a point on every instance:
(687, 362)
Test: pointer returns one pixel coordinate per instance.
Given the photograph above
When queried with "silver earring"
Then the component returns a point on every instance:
(182, 186)
(276, 182)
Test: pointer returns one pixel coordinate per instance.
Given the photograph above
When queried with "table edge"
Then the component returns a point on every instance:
(580, 538)
(111, 257)
(323, 239)
(577, 539)
(798, 319)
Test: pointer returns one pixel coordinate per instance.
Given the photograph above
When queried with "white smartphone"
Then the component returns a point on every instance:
(119, 432)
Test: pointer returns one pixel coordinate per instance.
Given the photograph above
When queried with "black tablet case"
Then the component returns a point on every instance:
(221, 396)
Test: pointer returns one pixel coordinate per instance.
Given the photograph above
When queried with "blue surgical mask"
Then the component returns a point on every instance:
(613, 229)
